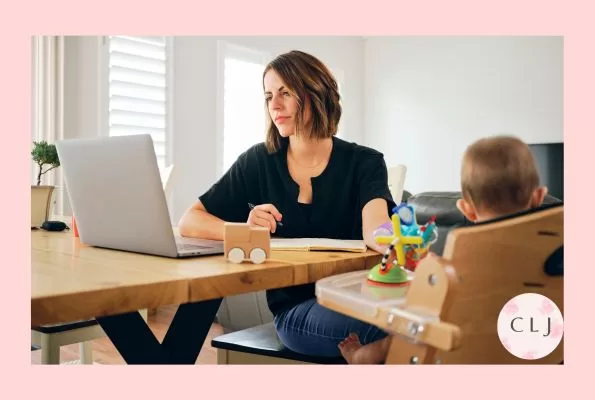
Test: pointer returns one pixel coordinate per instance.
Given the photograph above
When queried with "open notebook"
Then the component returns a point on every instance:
(313, 244)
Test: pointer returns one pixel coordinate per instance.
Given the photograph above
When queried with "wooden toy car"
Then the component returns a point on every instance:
(243, 242)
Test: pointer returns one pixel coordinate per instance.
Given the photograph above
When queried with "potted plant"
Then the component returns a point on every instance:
(43, 154)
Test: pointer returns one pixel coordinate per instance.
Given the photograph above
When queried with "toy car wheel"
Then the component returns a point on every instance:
(257, 256)
(236, 255)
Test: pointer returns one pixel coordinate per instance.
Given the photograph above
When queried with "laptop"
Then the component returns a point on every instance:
(117, 197)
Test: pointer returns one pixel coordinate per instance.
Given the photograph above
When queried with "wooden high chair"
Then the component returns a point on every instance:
(451, 309)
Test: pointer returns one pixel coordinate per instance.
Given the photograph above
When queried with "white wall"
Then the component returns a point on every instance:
(82, 91)
(82, 86)
(427, 98)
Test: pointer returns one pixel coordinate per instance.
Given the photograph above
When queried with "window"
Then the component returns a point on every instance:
(243, 100)
(138, 76)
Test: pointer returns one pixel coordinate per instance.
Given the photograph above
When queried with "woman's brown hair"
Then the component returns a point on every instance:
(311, 82)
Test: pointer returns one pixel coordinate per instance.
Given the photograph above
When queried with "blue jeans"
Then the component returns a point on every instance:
(314, 330)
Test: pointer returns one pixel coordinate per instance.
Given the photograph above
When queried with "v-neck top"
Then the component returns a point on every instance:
(354, 175)
(306, 210)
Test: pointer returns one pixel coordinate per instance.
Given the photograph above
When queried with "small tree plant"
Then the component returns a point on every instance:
(44, 153)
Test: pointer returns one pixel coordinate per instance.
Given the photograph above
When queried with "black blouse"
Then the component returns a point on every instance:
(354, 175)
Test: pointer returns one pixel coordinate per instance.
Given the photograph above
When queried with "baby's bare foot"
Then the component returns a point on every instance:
(349, 346)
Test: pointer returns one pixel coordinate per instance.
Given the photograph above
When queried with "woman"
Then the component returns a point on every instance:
(314, 183)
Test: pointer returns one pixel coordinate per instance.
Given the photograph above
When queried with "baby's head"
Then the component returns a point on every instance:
(498, 177)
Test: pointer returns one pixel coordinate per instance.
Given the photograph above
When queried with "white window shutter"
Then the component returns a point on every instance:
(138, 89)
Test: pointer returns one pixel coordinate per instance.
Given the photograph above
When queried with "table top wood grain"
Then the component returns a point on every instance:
(72, 281)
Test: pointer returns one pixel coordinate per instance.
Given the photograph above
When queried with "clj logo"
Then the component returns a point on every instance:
(530, 326)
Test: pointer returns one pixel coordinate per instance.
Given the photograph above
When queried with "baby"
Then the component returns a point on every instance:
(498, 177)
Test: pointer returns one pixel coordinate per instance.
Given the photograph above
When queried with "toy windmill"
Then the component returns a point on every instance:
(409, 241)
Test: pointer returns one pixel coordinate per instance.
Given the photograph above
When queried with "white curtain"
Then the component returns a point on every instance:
(48, 104)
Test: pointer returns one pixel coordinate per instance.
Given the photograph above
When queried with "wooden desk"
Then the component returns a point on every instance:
(72, 281)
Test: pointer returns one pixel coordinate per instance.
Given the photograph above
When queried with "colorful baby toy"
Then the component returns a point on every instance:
(409, 241)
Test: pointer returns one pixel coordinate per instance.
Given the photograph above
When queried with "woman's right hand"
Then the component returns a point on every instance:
(265, 215)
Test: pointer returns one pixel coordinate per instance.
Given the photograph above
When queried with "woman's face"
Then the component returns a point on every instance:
(281, 103)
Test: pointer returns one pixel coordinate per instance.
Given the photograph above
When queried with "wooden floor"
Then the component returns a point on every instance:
(104, 351)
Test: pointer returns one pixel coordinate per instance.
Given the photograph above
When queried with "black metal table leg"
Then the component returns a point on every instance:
(183, 341)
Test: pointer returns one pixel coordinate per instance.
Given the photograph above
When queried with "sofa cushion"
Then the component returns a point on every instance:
(444, 206)
(441, 204)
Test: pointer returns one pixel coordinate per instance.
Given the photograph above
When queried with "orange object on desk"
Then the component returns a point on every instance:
(74, 228)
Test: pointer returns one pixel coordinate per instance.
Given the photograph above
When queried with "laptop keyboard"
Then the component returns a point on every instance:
(186, 246)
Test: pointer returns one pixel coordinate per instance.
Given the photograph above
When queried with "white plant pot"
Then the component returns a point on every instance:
(41, 204)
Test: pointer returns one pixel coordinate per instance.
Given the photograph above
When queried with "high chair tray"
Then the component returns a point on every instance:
(352, 291)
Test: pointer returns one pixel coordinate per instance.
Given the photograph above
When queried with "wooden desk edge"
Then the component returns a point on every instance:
(74, 306)
(63, 308)
(295, 273)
